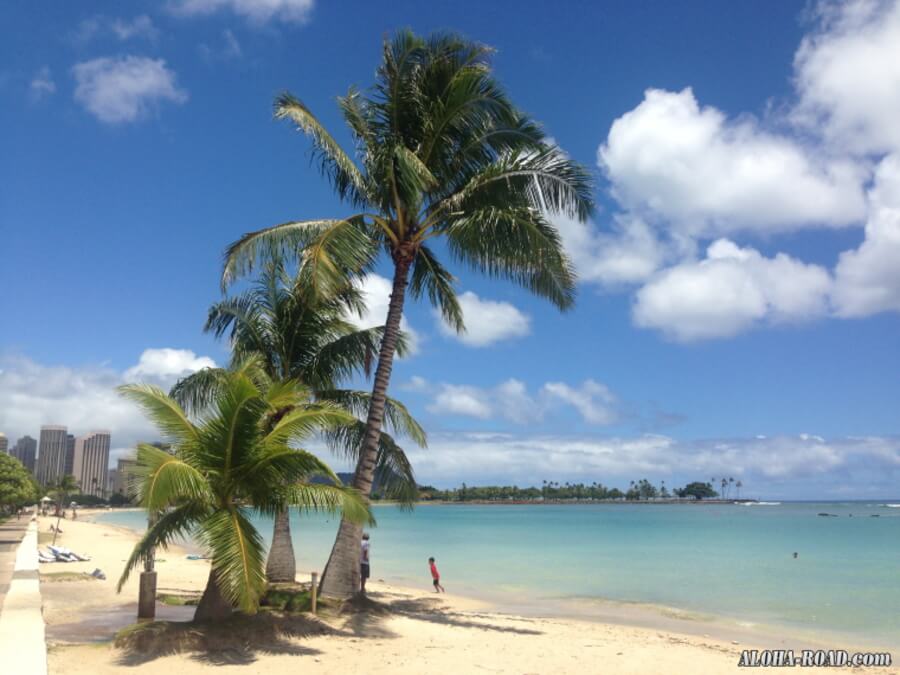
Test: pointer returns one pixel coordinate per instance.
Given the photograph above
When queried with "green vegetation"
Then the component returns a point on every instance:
(444, 163)
(237, 458)
(641, 490)
(697, 490)
(298, 336)
(17, 487)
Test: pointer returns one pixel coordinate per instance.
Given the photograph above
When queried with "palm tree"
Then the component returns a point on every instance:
(443, 153)
(296, 336)
(739, 485)
(236, 460)
(61, 489)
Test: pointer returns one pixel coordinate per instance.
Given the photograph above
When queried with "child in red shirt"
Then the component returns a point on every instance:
(436, 577)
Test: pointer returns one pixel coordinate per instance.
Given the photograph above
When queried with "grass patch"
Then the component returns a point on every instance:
(178, 600)
(294, 598)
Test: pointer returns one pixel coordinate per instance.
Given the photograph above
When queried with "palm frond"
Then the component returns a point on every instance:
(321, 497)
(163, 410)
(393, 471)
(436, 281)
(301, 423)
(515, 243)
(166, 479)
(397, 417)
(238, 555)
(195, 392)
(170, 526)
(341, 170)
(285, 241)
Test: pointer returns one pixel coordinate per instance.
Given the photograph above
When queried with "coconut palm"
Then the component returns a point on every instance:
(443, 155)
(296, 336)
(236, 460)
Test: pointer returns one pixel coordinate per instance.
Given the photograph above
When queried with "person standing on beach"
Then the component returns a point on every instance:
(364, 563)
(436, 577)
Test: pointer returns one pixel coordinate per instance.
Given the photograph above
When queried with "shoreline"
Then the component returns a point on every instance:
(603, 610)
(421, 632)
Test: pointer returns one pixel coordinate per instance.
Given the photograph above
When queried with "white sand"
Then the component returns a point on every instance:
(424, 633)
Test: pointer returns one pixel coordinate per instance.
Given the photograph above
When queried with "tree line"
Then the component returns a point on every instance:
(640, 490)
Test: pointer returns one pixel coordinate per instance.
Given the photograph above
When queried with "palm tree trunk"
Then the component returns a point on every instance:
(340, 578)
(281, 565)
(213, 606)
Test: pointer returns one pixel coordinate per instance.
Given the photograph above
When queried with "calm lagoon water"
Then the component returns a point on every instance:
(731, 562)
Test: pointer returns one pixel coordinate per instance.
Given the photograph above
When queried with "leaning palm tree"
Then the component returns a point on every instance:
(443, 155)
(236, 460)
(308, 339)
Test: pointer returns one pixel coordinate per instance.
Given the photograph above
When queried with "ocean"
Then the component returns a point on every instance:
(718, 563)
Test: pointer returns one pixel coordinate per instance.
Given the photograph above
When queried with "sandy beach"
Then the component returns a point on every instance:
(415, 631)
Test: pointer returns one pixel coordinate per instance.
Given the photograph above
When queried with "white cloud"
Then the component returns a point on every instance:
(780, 466)
(511, 401)
(141, 26)
(85, 398)
(257, 11)
(847, 74)
(42, 85)
(706, 175)
(230, 48)
(487, 321)
(593, 400)
(628, 254)
(123, 89)
(729, 291)
(377, 292)
(867, 280)
(166, 365)
(454, 399)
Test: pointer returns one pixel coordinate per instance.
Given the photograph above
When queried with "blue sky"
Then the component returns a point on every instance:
(738, 310)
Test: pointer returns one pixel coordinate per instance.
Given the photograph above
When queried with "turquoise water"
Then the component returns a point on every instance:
(728, 561)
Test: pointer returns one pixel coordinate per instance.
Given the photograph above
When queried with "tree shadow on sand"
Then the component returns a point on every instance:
(242, 639)
(238, 641)
(371, 612)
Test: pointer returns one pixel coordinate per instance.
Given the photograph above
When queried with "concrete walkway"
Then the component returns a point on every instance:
(11, 533)
(23, 648)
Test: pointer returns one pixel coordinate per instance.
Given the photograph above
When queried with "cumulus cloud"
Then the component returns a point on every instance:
(594, 401)
(166, 366)
(377, 292)
(123, 89)
(141, 26)
(256, 11)
(42, 85)
(511, 401)
(781, 466)
(34, 394)
(707, 175)
(730, 290)
(867, 280)
(847, 75)
(487, 321)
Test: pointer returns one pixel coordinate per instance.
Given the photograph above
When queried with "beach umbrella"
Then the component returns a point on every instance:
(46, 499)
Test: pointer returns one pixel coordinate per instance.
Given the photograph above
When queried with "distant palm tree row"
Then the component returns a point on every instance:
(641, 490)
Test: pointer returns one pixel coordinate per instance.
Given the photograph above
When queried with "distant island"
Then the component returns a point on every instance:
(554, 492)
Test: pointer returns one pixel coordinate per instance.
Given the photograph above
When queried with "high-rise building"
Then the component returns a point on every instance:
(126, 473)
(51, 460)
(70, 455)
(25, 450)
(90, 465)
(4, 444)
